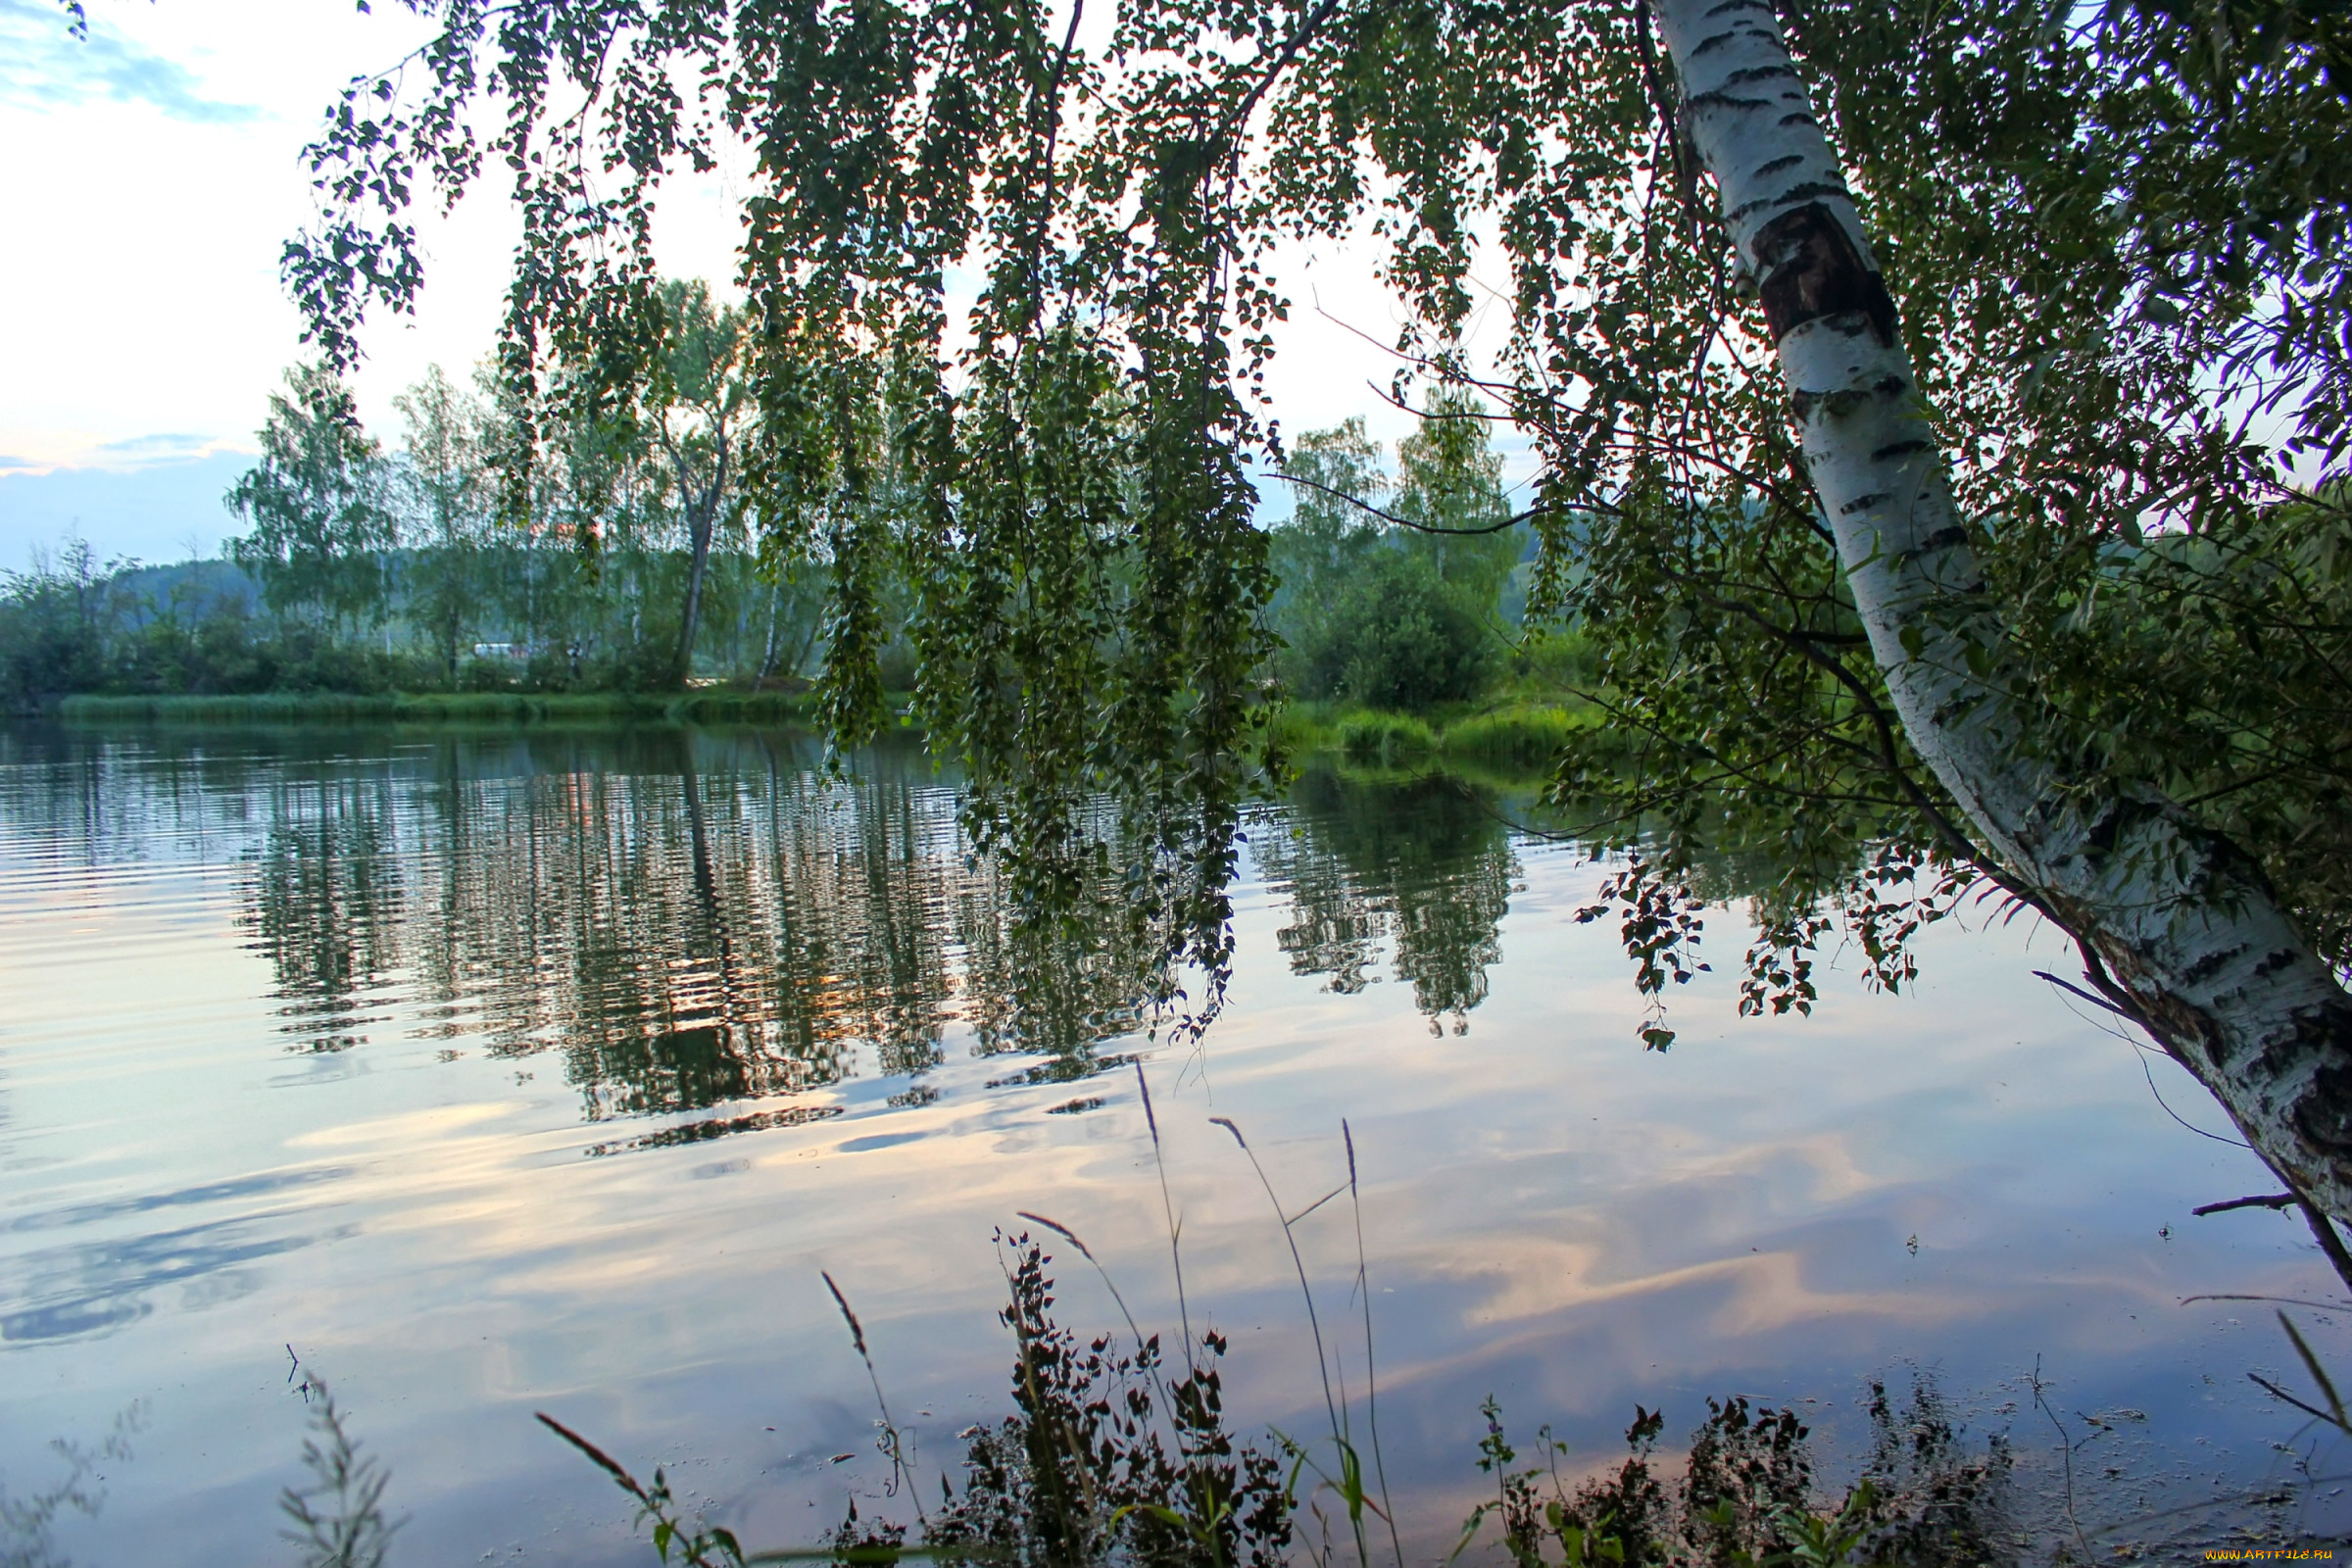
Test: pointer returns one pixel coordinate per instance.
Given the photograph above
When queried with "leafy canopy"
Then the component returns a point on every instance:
(1005, 279)
(317, 505)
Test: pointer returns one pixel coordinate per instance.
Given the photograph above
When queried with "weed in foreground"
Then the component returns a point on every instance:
(1103, 1460)
(28, 1524)
(337, 1521)
(1103, 1457)
(1747, 1497)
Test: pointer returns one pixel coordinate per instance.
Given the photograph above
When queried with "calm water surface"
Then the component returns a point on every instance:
(546, 1071)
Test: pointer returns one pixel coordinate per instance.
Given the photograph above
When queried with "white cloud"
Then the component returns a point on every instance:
(42, 64)
(160, 173)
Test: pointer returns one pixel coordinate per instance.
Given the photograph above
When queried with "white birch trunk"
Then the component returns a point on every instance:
(2181, 921)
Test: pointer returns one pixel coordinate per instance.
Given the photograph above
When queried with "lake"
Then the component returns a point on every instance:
(497, 1072)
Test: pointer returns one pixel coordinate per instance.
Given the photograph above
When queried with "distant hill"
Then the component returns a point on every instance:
(206, 587)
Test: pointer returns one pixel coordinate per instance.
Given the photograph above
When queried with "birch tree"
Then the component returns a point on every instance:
(1862, 520)
(318, 529)
(444, 482)
(695, 406)
(2180, 928)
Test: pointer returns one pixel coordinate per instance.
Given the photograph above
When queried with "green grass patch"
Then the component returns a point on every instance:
(1302, 728)
(1517, 741)
(1385, 738)
(1524, 738)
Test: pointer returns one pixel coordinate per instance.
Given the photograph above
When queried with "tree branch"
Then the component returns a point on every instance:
(1511, 521)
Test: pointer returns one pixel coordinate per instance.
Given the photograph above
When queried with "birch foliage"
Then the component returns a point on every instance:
(1007, 306)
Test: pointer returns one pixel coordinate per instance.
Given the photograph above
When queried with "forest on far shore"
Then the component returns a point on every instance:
(632, 559)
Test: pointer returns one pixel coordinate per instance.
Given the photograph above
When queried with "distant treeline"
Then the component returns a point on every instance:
(627, 559)
(623, 559)
(541, 620)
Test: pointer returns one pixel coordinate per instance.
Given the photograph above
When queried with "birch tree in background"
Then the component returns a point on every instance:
(449, 495)
(696, 404)
(319, 531)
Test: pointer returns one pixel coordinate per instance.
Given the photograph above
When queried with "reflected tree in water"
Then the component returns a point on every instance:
(326, 889)
(701, 923)
(1423, 866)
(686, 919)
(683, 918)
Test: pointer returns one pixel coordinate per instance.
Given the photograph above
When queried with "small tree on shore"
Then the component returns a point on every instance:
(315, 503)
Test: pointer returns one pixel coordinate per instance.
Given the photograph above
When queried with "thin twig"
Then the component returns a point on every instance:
(1511, 521)
(2066, 1449)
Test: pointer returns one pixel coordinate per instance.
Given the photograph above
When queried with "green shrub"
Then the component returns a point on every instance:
(1555, 659)
(1397, 637)
(486, 675)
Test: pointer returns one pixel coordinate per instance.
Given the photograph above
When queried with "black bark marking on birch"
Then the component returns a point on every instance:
(1838, 404)
(2213, 964)
(1755, 73)
(1945, 538)
(1811, 269)
(2322, 1112)
(1795, 193)
(1779, 163)
(1725, 100)
(2103, 831)
(1898, 448)
(1800, 118)
(1862, 502)
(1730, 6)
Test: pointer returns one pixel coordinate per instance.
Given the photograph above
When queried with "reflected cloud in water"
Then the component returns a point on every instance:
(95, 1287)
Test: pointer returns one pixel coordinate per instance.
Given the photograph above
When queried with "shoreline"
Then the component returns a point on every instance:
(431, 708)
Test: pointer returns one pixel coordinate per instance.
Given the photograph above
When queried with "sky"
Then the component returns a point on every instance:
(155, 174)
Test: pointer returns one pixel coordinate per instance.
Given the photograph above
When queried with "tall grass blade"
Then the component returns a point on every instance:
(1363, 1286)
(1168, 1208)
(893, 1445)
(596, 1456)
(1331, 1402)
(2334, 1415)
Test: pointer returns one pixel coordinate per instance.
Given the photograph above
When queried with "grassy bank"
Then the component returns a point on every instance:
(431, 708)
(1516, 738)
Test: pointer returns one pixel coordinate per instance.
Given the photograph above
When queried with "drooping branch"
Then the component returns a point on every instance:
(1541, 508)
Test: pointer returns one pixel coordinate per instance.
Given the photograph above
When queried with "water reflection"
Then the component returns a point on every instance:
(1423, 865)
(80, 1288)
(70, 1291)
(270, 998)
(688, 920)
